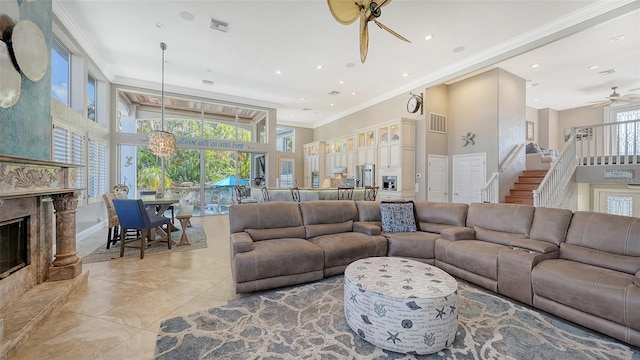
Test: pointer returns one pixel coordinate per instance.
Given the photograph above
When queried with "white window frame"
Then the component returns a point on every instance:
(55, 42)
(97, 168)
(75, 142)
(90, 79)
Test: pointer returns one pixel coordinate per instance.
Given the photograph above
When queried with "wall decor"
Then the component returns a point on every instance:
(468, 139)
(530, 130)
(415, 103)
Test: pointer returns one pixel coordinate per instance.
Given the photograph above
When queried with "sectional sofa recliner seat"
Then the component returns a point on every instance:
(582, 266)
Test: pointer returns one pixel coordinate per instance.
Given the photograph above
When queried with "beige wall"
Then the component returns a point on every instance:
(586, 115)
(531, 114)
(548, 134)
(436, 100)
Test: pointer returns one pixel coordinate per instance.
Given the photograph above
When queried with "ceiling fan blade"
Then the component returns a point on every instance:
(382, 26)
(364, 37)
(344, 11)
(382, 3)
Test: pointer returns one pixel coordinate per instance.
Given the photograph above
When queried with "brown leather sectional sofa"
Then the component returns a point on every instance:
(583, 266)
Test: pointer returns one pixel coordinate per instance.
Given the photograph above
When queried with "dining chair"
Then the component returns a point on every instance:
(242, 196)
(133, 216)
(370, 193)
(295, 193)
(265, 194)
(113, 234)
(345, 193)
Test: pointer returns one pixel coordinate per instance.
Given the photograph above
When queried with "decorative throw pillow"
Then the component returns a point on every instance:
(398, 216)
(532, 148)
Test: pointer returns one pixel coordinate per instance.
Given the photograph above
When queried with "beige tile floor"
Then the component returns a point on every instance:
(118, 314)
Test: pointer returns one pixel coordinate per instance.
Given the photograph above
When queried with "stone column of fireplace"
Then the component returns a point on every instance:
(66, 263)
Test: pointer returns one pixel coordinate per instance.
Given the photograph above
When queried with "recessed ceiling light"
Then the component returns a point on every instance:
(160, 25)
(617, 38)
(405, 74)
(533, 66)
(593, 67)
(458, 49)
(185, 15)
(341, 82)
(428, 37)
(353, 93)
(302, 99)
(535, 100)
(278, 72)
(330, 104)
(319, 67)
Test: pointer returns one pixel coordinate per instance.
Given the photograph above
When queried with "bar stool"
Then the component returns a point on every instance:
(370, 193)
(295, 193)
(265, 194)
(345, 193)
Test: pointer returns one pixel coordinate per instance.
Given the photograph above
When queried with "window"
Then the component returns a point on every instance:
(97, 168)
(60, 71)
(68, 147)
(285, 139)
(620, 205)
(92, 86)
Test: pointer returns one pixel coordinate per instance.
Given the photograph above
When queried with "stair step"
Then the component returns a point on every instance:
(534, 173)
(530, 180)
(525, 186)
(521, 193)
(519, 200)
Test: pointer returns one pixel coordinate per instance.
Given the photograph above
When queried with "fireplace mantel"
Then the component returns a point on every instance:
(23, 177)
(34, 189)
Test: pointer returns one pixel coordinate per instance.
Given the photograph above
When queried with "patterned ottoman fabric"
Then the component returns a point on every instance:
(401, 305)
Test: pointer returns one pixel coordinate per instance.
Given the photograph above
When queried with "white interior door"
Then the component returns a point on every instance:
(437, 178)
(469, 176)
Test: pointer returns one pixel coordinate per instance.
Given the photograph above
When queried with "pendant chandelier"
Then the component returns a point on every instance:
(161, 142)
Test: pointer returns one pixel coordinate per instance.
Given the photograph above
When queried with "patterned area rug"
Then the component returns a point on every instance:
(195, 233)
(307, 322)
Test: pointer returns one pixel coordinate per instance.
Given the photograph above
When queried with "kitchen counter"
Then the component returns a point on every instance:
(306, 194)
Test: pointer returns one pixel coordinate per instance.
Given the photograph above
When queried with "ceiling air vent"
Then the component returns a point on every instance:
(607, 72)
(333, 92)
(306, 109)
(207, 82)
(437, 123)
(219, 25)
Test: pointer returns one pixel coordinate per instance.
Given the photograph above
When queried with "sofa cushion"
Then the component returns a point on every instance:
(591, 289)
(432, 213)
(434, 228)
(327, 229)
(507, 218)
(274, 258)
(417, 244)
(550, 224)
(276, 233)
(478, 257)
(398, 216)
(610, 241)
(369, 211)
(264, 216)
(328, 211)
(498, 237)
(345, 248)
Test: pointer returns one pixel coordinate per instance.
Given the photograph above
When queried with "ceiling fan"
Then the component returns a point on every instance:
(348, 11)
(617, 99)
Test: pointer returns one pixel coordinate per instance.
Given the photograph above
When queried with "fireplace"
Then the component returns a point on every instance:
(13, 246)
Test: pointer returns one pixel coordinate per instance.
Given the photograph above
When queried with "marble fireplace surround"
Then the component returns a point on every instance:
(40, 189)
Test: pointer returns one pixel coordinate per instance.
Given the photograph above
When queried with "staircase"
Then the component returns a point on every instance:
(521, 193)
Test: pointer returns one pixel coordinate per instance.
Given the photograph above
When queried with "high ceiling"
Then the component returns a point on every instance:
(295, 37)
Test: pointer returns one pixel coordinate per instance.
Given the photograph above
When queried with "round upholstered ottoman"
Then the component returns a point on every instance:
(401, 305)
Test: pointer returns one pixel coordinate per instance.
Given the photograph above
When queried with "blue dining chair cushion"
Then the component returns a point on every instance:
(133, 215)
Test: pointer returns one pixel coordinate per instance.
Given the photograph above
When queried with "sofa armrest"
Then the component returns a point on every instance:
(241, 242)
(366, 228)
(458, 233)
(538, 246)
(637, 281)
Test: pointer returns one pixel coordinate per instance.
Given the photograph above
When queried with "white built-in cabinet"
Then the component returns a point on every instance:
(391, 146)
(397, 157)
(314, 160)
